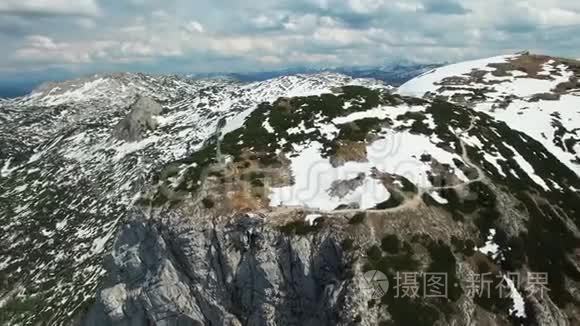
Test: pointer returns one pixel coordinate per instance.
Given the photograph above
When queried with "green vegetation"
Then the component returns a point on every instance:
(391, 244)
(347, 244)
(408, 186)
(299, 114)
(395, 255)
(406, 311)
(301, 227)
(390, 263)
(17, 307)
(465, 247)
(443, 261)
(547, 244)
(358, 218)
(418, 126)
(393, 201)
(494, 300)
(208, 203)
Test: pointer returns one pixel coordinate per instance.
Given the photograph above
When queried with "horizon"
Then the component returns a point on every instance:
(18, 86)
(53, 40)
(14, 86)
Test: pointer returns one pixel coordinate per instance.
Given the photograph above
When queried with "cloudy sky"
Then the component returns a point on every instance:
(81, 36)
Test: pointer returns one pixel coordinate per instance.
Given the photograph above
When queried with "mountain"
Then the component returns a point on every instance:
(393, 74)
(536, 95)
(16, 85)
(131, 199)
(67, 181)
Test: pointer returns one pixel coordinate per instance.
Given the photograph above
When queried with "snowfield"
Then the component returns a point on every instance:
(428, 81)
(396, 152)
(548, 121)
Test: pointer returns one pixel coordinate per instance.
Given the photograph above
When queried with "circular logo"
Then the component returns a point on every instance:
(378, 282)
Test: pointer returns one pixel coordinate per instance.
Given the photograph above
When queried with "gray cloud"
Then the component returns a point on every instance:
(445, 7)
(228, 35)
(49, 8)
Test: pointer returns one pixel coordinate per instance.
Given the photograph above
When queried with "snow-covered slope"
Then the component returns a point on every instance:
(537, 95)
(426, 169)
(66, 182)
(80, 158)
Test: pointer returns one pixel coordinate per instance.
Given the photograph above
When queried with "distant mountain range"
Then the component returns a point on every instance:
(392, 74)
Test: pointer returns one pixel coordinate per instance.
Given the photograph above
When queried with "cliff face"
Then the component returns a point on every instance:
(283, 267)
(231, 271)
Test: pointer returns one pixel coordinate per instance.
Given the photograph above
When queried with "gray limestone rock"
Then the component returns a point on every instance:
(237, 272)
(140, 118)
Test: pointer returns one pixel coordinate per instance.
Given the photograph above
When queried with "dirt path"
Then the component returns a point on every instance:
(466, 160)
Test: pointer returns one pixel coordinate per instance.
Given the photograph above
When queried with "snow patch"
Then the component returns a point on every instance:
(435, 195)
(396, 152)
(314, 177)
(311, 218)
(6, 170)
(518, 308)
(428, 81)
(268, 127)
(131, 147)
(490, 248)
(527, 167)
(379, 112)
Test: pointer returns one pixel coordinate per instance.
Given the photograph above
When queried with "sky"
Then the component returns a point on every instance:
(71, 37)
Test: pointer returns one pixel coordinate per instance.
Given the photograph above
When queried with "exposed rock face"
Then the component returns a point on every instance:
(140, 118)
(341, 188)
(237, 271)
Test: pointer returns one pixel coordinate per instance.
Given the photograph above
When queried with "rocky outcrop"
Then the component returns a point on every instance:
(140, 119)
(237, 271)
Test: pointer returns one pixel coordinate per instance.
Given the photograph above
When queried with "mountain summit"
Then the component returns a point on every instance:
(145, 200)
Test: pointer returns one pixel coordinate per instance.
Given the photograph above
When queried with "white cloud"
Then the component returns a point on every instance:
(253, 34)
(194, 27)
(301, 23)
(366, 6)
(265, 21)
(269, 59)
(50, 7)
(313, 58)
(42, 49)
(558, 17)
(160, 14)
(340, 36)
(243, 45)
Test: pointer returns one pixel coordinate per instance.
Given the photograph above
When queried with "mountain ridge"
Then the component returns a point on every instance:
(215, 184)
(394, 74)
